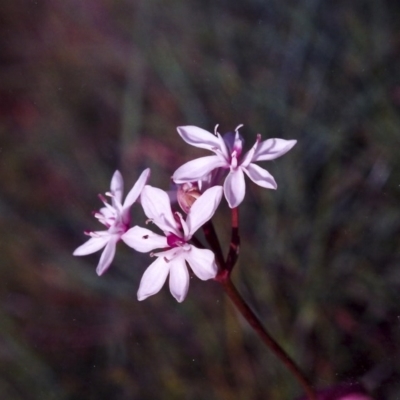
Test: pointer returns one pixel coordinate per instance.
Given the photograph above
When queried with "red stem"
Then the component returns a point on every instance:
(255, 323)
(223, 277)
(235, 240)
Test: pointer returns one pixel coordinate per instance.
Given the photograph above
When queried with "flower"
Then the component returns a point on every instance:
(178, 233)
(115, 217)
(228, 155)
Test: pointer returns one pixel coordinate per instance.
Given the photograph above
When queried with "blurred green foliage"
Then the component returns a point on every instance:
(90, 86)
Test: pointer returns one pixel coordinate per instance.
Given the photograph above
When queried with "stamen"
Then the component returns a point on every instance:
(238, 127)
(148, 221)
(234, 161)
(216, 130)
(94, 234)
(102, 198)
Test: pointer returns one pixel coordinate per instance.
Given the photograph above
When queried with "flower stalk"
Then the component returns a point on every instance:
(268, 340)
(235, 240)
(223, 277)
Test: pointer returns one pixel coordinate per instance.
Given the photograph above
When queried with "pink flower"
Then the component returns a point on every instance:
(178, 250)
(228, 155)
(115, 217)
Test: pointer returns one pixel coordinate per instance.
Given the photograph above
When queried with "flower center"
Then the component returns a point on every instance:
(174, 241)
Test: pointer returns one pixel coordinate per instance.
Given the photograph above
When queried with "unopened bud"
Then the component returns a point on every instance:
(188, 193)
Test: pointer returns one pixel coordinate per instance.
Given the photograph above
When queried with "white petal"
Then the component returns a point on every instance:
(197, 169)
(199, 137)
(92, 245)
(260, 176)
(202, 262)
(179, 278)
(134, 193)
(117, 187)
(157, 207)
(203, 209)
(272, 148)
(107, 256)
(234, 188)
(153, 278)
(144, 240)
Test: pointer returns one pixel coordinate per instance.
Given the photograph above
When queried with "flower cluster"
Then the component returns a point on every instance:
(199, 195)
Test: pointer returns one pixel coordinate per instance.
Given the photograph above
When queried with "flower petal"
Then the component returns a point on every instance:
(107, 256)
(178, 278)
(260, 176)
(117, 187)
(272, 148)
(199, 137)
(203, 209)
(202, 262)
(137, 188)
(157, 207)
(234, 188)
(153, 278)
(197, 169)
(92, 245)
(144, 240)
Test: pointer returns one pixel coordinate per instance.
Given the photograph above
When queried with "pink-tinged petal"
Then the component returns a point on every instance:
(248, 157)
(153, 278)
(272, 148)
(199, 137)
(157, 207)
(196, 169)
(107, 256)
(92, 245)
(178, 278)
(202, 262)
(203, 209)
(135, 192)
(260, 176)
(234, 188)
(117, 187)
(144, 240)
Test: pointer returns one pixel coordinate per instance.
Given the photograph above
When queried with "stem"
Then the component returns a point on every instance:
(255, 323)
(235, 240)
(213, 241)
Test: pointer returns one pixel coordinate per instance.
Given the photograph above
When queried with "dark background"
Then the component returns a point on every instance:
(87, 87)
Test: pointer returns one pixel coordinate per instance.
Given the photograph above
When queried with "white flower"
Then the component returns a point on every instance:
(228, 155)
(115, 217)
(178, 233)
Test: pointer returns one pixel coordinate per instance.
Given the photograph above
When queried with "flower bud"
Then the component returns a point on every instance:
(187, 194)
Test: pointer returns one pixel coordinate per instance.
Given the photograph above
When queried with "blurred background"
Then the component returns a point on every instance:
(87, 87)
